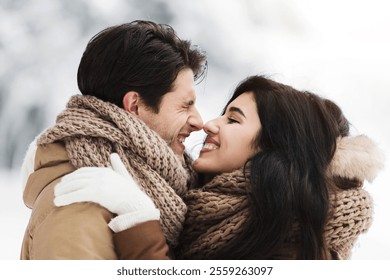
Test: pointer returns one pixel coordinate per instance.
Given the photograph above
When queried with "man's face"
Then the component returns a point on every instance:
(178, 116)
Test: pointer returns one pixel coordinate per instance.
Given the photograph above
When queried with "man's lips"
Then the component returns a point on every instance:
(182, 137)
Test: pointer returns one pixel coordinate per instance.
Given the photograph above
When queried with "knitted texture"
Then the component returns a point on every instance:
(217, 212)
(92, 129)
(352, 215)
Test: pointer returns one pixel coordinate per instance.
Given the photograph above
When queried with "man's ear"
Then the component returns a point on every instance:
(131, 101)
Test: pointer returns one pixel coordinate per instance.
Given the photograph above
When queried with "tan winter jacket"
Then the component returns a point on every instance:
(77, 231)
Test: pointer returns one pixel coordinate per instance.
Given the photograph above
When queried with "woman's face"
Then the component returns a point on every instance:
(230, 138)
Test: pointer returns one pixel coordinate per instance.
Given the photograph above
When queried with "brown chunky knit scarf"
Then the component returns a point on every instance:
(92, 129)
(217, 212)
(352, 215)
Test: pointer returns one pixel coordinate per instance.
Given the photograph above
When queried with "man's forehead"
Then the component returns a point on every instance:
(181, 96)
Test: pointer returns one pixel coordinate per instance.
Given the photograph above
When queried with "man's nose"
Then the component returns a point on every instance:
(195, 120)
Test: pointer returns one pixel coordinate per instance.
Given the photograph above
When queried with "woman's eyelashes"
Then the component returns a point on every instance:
(232, 120)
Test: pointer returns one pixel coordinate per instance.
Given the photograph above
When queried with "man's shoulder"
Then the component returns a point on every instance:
(76, 231)
(50, 155)
(51, 163)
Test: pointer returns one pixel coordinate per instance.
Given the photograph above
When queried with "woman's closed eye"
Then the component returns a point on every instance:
(231, 120)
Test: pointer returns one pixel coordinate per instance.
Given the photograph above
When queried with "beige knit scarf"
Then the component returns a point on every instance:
(217, 211)
(92, 129)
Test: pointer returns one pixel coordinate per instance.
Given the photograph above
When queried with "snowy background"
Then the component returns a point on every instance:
(336, 48)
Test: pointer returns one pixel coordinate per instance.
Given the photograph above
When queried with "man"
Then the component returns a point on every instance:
(138, 100)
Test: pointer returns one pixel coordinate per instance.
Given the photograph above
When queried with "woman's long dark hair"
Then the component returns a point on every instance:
(288, 178)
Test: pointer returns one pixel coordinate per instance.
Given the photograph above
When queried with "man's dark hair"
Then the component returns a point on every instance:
(140, 56)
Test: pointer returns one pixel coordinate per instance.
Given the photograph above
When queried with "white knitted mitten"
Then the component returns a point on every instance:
(113, 189)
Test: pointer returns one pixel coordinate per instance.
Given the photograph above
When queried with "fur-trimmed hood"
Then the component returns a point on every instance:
(357, 157)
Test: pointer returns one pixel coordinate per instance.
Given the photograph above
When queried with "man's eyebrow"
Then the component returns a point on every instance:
(238, 110)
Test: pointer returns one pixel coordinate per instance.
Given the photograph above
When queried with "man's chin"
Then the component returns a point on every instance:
(178, 148)
(179, 152)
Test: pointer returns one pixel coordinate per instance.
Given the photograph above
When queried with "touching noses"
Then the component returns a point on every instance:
(211, 127)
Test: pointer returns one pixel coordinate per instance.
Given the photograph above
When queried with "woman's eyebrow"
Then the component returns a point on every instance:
(238, 110)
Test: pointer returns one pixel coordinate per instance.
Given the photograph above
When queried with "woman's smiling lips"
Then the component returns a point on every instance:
(210, 145)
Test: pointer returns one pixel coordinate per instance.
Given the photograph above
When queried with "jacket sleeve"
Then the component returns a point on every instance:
(75, 232)
(145, 241)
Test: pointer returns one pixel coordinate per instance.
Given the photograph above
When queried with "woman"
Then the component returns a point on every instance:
(278, 173)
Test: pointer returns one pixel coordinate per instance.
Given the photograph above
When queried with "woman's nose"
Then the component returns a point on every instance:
(211, 127)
